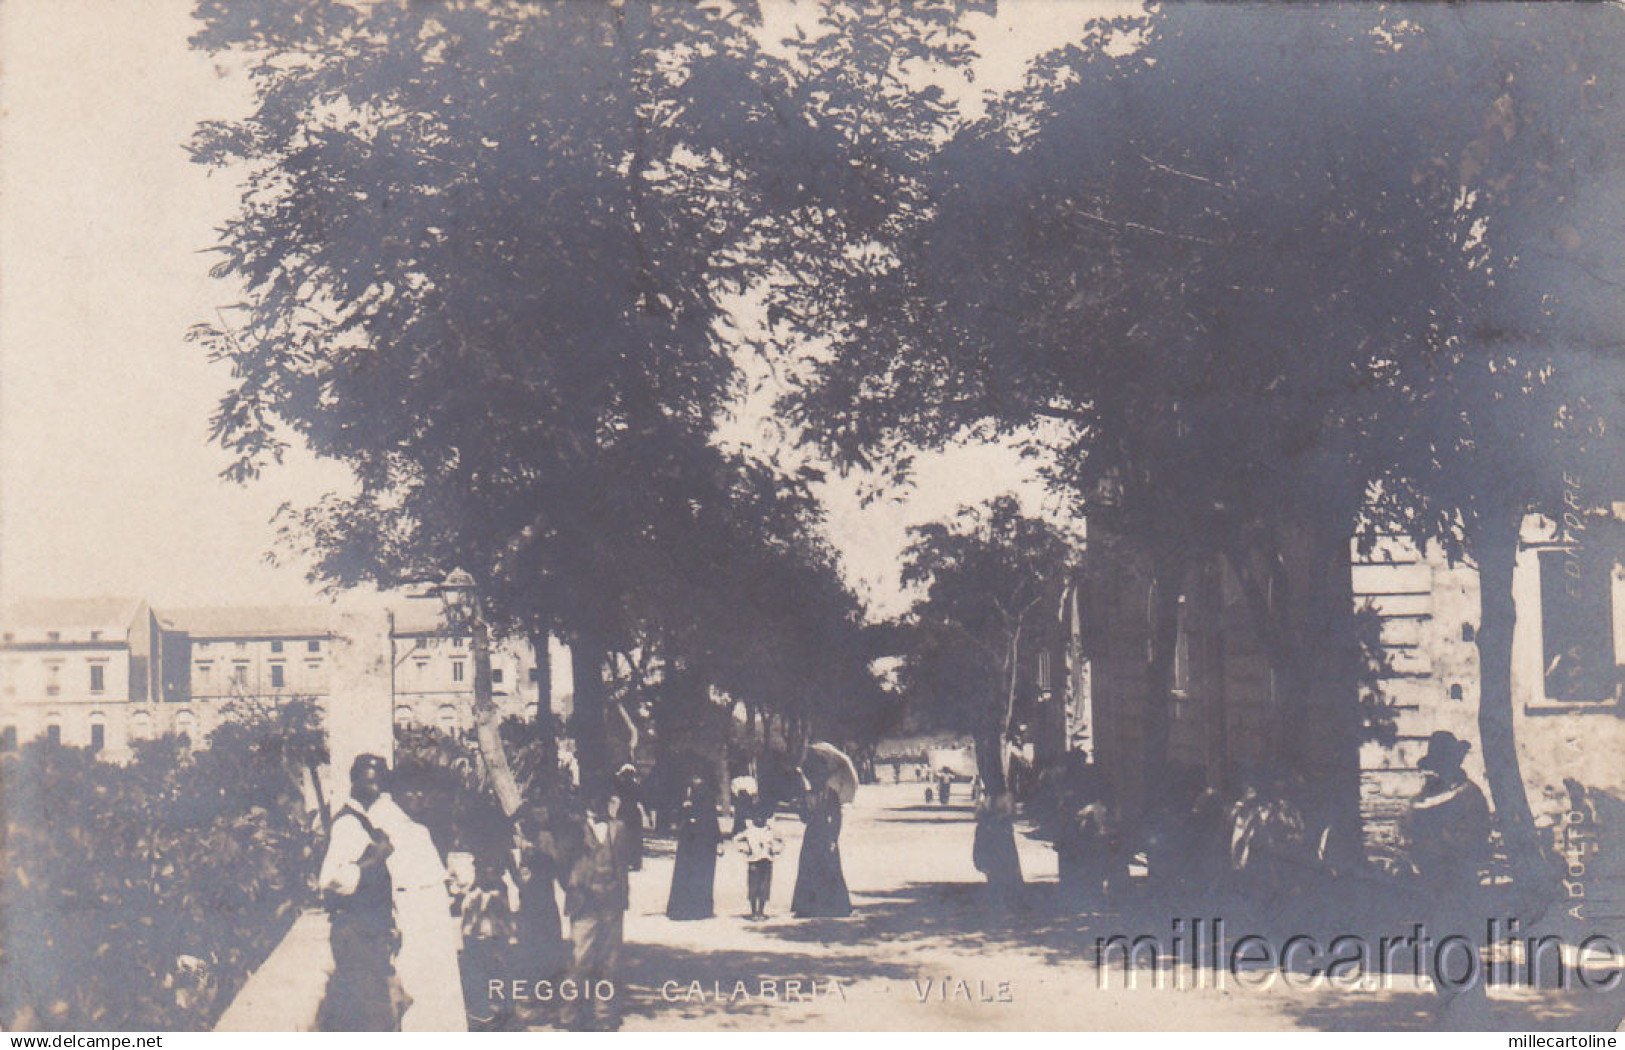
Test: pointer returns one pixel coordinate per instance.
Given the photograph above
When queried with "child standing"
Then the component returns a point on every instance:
(760, 844)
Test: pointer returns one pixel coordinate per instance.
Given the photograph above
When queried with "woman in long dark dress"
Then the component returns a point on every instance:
(694, 873)
(820, 883)
(541, 932)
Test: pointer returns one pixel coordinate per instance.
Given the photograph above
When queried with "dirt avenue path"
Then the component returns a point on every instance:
(922, 951)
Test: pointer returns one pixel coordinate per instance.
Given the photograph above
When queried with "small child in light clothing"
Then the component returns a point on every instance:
(760, 844)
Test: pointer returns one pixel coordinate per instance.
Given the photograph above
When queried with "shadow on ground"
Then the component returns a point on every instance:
(966, 917)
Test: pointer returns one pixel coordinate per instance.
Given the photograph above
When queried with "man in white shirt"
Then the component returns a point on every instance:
(356, 890)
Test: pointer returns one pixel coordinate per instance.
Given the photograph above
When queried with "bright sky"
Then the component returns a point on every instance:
(107, 482)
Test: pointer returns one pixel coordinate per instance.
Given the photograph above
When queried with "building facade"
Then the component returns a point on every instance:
(1227, 720)
(107, 673)
(433, 678)
(72, 670)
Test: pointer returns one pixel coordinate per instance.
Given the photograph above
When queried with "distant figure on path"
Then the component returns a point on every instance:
(693, 876)
(629, 811)
(820, 883)
(595, 897)
(354, 881)
(994, 848)
(945, 787)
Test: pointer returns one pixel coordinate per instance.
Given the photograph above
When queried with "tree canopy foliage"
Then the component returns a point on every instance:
(990, 580)
(1335, 283)
(1359, 276)
(486, 250)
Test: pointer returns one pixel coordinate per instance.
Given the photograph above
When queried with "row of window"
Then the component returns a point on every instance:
(52, 636)
(239, 673)
(458, 670)
(53, 736)
(314, 645)
(53, 679)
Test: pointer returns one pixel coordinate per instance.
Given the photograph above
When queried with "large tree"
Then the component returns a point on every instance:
(484, 247)
(1523, 408)
(1189, 282)
(1235, 297)
(988, 580)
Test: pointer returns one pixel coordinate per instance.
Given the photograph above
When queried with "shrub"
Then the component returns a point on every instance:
(141, 896)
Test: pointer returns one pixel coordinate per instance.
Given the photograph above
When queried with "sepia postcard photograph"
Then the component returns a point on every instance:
(811, 515)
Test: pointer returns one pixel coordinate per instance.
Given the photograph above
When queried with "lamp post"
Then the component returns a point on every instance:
(460, 598)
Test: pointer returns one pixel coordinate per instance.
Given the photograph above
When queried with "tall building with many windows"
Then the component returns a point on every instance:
(73, 670)
(433, 679)
(104, 673)
(262, 651)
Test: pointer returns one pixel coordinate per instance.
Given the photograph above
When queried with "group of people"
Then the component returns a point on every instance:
(397, 930)
(820, 888)
(414, 942)
(1264, 842)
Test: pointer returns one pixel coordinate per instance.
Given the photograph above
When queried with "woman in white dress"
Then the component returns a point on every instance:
(430, 935)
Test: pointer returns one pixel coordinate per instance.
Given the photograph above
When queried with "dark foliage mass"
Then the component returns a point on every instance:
(1271, 278)
(487, 251)
(1358, 276)
(140, 897)
(991, 581)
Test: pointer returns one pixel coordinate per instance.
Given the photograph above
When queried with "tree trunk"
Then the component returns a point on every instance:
(314, 768)
(587, 656)
(1328, 714)
(539, 640)
(1163, 638)
(488, 724)
(989, 744)
(1012, 675)
(1495, 546)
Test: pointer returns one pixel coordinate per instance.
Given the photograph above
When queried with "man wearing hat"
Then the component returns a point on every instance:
(596, 898)
(1449, 827)
(357, 891)
(1449, 832)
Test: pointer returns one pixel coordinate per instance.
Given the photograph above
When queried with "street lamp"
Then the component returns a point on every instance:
(459, 595)
(456, 592)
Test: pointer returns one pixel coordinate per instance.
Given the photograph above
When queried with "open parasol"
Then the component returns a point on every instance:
(828, 766)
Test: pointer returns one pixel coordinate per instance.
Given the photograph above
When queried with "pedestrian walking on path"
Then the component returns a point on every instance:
(699, 839)
(541, 867)
(820, 883)
(993, 849)
(629, 811)
(430, 936)
(596, 897)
